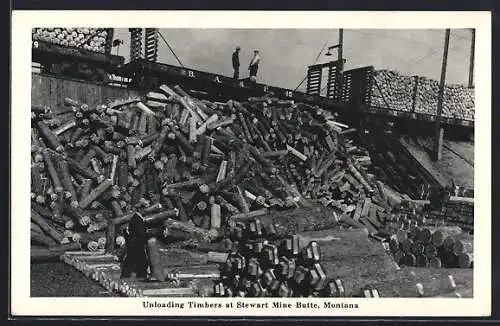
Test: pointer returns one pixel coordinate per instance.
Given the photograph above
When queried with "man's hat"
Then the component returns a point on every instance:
(238, 48)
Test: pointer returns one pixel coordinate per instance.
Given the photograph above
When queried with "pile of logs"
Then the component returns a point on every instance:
(171, 169)
(395, 91)
(432, 247)
(173, 158)
(392, 90)
(459, 213)
(177, 272)
(459, 101)
(307, 264)
(93, 39)
(426, 99)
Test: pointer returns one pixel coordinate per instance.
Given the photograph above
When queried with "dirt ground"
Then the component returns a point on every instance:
(61, 280)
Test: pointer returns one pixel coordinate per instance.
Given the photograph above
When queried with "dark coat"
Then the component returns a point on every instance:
(236, 59)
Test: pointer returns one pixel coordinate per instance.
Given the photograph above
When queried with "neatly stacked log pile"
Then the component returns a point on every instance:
(459, 102)
(392, 90)
(184, 273)
(186, 165)
(439, 247)
(426, 99)
(459, 212)
(93, 39)
(332, 263)
(395, 91)
(456, 212)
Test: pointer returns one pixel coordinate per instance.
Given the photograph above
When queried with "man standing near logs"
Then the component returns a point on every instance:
(236, 63)
(254, 66)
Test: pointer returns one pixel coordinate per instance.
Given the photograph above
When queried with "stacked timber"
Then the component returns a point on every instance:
(439, 247)
(392, 90)
(330, 263)
(458, 102)
(457, 211)
(93, 39)
(186, 166)
(396, 91)
(183, 273)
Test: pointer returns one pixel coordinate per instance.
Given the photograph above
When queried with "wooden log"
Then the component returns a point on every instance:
(87, 173)
(463, 246)
(461, 199)
(95, 193)
(401, 236)
(46, 227)
(91, 241)
(422, 261)
(173, 257)
(435, 262)
(66, 181)
(424, 236)
(41, 239)
(190, 231)
(439, 235)
(52, 254)
(169, 292)
(466, 260)
(56, 181)
(430, 250)
(406, 246)
(217, 257)
(51, 138)
(215, 216)
(160, 217)
(123, 219)
(35, 228)
(249, 215)
(193, 271)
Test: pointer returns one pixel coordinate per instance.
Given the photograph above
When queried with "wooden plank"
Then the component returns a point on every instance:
(104, 93)
(366, 207)
(51, 91)
(357, 212)
(41, 93)
(372, 217)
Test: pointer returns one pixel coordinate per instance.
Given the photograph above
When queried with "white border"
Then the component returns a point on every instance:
(23, 21)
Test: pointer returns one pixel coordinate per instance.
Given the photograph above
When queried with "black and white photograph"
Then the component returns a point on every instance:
(255, 170)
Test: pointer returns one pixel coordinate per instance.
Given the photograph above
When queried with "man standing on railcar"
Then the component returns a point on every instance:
(236, 63)
(254, 66)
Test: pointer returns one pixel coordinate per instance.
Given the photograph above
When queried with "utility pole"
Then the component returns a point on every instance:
(340, 59)
(471, 65)
(341, 48)
(438, 141)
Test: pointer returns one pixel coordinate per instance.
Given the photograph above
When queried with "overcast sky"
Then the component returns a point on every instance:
(286, 53)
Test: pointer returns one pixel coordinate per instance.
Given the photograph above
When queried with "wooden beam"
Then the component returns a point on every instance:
(438, 141)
